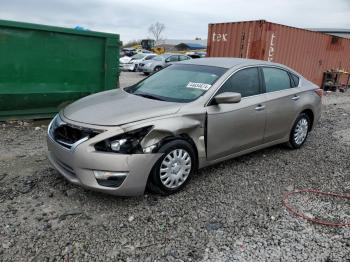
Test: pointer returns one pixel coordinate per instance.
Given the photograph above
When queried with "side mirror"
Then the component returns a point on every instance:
(228, 98)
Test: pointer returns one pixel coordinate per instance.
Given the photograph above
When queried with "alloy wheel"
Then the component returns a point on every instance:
(301, 131)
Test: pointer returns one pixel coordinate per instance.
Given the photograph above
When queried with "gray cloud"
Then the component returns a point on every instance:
(183, 19)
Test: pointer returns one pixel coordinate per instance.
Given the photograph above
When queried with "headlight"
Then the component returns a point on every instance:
(117, 144)
(127, 143)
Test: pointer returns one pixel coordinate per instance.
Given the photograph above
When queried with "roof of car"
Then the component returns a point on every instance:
(226, 62)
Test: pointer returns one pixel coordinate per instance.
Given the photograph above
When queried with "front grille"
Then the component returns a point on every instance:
(67, 135)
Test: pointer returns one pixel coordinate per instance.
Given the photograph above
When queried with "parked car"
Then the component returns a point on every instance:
(159, 62)
(128, 51)
(132, 63)
(196, 54)
(143, 51)
(189, 115)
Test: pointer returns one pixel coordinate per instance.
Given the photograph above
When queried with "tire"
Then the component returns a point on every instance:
(146, 73)
(158, 68)
(164, 181)
(300, 131)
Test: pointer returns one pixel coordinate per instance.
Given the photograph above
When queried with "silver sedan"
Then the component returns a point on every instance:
(192, 114)
(159, 62)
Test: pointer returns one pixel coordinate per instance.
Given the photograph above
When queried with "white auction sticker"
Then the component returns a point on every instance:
(202, 86)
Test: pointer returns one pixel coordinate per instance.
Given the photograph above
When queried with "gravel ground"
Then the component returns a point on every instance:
(231, 211)
(129, 78)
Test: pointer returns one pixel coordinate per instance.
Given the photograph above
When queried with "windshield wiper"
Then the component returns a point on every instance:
(149, 96)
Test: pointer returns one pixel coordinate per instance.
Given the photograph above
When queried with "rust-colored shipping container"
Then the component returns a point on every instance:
(309, 53)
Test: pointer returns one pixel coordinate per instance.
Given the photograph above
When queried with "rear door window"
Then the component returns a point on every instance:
(173, 58)
(276, 79)
(245, 82)
(295, 80)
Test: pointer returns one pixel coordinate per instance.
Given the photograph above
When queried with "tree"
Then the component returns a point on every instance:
(156, 30)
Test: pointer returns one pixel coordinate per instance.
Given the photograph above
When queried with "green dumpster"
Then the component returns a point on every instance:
(44, 68)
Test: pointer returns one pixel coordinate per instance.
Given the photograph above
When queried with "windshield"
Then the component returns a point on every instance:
(178, 83)
(138, 56)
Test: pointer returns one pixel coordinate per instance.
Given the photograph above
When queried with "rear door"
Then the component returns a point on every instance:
(184, 57)
(232, 128)
(282, 102)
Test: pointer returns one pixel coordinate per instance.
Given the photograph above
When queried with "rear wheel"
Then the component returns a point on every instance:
(300, 131)
(174, 169)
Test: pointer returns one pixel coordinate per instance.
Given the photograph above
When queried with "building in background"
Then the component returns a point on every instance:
(190, 46)
(182, 44)
(333, 31)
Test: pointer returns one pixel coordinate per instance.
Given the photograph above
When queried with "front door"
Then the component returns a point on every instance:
(232, 128)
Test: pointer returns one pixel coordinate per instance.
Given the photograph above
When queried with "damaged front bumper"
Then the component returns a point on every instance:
(107, 172)
(129, 67)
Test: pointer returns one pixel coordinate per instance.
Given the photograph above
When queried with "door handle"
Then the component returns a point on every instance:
(259, 108)
(295, 98)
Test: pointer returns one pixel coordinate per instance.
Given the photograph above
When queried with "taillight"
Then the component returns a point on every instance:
(319, 92)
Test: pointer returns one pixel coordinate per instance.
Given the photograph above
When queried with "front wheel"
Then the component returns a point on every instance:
(300, 131)
(157, 68)
(174, 169)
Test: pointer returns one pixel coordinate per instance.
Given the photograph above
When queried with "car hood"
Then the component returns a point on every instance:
(136, 61)
(125, 59)
(117, 107)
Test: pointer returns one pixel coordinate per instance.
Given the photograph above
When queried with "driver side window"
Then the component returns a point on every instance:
(245, 82)
(172, 58)
(182, 58)
(150, 57)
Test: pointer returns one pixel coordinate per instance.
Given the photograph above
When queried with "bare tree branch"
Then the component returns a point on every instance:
(156, 30)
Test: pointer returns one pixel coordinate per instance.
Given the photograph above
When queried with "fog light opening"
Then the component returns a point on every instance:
(105, 175)
(110, 179)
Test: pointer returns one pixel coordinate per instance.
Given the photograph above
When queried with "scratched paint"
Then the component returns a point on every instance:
(271, 48)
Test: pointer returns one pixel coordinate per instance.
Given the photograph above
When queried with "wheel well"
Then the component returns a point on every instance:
(184, 137)
(310, 114)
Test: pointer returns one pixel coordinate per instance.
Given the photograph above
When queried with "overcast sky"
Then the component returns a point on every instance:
(184, 19)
